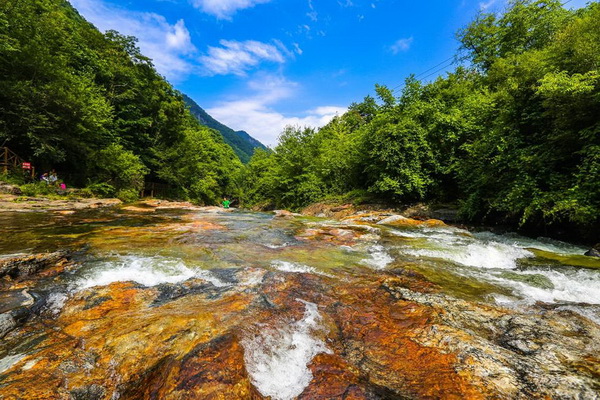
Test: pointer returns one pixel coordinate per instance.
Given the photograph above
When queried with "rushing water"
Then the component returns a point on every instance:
(174, 246)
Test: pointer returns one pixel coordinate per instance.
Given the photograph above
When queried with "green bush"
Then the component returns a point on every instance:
(37, 189)
(100, 189)
(128, 195)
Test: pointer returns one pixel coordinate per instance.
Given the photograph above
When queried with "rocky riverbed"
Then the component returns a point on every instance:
(172, 301)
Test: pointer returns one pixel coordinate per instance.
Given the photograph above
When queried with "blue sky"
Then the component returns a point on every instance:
(259, 65)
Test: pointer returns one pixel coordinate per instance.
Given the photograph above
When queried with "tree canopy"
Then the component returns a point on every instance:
(93, 107)
(512, 135)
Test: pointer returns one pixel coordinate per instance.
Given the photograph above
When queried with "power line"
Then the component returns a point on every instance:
(437, 65)
(445, 64)
(445, 61)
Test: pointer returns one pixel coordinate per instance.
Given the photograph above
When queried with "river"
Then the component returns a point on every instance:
(179, 303)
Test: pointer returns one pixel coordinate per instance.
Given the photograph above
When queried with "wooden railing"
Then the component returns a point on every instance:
(9, 160)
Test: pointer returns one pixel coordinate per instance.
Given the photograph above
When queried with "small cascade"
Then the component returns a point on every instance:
(277, 358)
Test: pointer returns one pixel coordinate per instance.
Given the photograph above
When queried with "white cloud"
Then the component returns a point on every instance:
(256, 114)
(179, 38)
(169, 46)
(224, 9)
(401, 45)
(237, 58)
(297, 49)
(485, 5)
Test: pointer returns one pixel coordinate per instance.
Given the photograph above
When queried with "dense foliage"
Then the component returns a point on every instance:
(513, 136)
(94, 108)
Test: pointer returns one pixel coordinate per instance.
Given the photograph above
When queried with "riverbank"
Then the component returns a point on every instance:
(14, 203)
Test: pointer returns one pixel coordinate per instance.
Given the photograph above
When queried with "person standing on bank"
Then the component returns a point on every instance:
(226, 202)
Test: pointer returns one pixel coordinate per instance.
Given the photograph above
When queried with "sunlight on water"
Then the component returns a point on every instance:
(277, 358)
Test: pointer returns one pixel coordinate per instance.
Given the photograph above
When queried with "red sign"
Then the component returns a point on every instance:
(26, 165)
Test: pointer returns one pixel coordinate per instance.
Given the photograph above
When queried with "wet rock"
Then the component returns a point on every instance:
(90, 392)
(7, 324)
(594, 251)
(521, 335)
(284, 214)
(536, 280)
(25, 266)
(392, 220)
(390, 335)
(169, 292)
(139, 209)
(17, 307)
(401, 221)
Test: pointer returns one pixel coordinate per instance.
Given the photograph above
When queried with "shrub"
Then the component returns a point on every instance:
(37, 189)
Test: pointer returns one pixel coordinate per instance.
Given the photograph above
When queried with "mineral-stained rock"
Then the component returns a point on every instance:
(284, 214)
(400, 221)
(25, 266)
(390, 335)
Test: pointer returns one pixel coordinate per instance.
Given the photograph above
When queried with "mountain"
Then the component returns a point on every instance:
(242, 143)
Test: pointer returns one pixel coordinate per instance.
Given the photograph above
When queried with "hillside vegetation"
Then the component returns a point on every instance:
(93, 107)
(513, 136)
(240, 141)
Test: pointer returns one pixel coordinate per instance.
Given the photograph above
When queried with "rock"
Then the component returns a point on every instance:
(392, 220)
(401, 221)
(24, 266)
(390, 335)
(536, 280)
(285, 214)
(7, 324)
(90, 392)
(594, 251)
(10, 189)
(17, 307)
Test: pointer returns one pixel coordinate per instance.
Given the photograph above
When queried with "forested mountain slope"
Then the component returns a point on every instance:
(242, 143)
(93, 107)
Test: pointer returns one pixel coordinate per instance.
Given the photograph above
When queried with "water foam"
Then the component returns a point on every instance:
(277, 359)
(579, 286)
(147, 271)
(286, 266)
(56, 302)
(378, 257)
(487, 255)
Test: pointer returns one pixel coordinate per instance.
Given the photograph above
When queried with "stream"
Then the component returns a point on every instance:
(165, 302)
